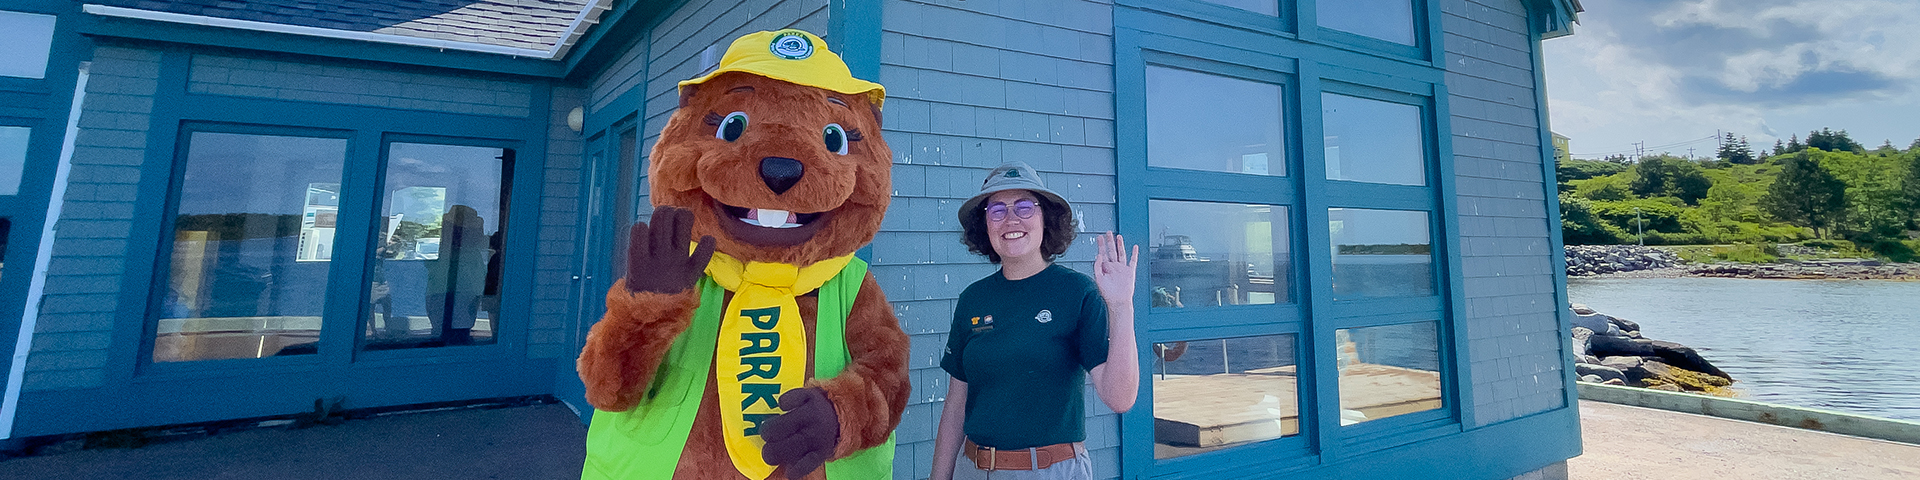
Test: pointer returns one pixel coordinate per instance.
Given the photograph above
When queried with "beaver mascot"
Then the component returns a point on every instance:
(768, 350)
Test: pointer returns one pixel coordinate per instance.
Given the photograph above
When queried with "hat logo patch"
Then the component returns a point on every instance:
(1013, 174)
(792, 46)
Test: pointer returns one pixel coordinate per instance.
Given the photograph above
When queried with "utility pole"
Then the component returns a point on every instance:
(1689, 153)
(1639, 150)
(1640, 227)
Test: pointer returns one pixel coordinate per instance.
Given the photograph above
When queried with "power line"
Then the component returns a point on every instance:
(1639, 149)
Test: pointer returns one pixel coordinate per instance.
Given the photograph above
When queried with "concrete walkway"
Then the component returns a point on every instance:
(1623, 442)
(546, 442)
(531, 442)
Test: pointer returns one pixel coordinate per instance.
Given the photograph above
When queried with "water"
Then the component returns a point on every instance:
(1848, 346)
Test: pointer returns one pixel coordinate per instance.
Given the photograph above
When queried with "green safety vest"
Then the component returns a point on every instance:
(646, 442)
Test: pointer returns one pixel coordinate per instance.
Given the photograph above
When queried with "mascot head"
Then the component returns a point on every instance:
(777, 152)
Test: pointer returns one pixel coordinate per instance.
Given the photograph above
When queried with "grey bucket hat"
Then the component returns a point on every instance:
(1009, 176)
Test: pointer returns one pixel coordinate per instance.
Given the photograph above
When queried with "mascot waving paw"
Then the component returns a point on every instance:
(764, 349)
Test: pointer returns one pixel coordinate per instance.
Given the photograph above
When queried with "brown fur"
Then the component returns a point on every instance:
(695, 170)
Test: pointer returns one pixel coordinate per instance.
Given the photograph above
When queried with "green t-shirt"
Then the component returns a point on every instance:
(1023, 347)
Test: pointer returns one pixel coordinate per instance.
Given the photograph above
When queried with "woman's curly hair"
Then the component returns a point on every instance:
(1056, 237)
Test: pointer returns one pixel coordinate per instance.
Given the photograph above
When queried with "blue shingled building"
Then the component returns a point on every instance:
(225, 209)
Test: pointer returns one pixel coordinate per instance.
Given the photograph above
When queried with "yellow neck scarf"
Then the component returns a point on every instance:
(762, 351)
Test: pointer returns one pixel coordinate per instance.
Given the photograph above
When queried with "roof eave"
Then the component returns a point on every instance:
(1559, 17)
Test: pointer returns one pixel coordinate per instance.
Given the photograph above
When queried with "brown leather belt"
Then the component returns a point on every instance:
(989, 458)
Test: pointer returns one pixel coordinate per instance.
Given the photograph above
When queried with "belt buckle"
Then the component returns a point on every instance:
(993, 458)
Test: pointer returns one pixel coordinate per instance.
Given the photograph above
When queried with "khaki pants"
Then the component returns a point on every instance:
(1080, 467)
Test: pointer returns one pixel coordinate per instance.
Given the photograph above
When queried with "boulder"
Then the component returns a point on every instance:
(1622, 363)
(1598, 323)
(1580, 335)
(1620, 345)
(1604, 372)
(1582, 309)
(1624, 324)
(1684, 357)
(1591, 379)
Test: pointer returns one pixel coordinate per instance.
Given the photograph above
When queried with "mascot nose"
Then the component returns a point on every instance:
(780, 173)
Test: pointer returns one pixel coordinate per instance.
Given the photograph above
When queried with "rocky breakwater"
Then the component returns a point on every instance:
(1585, 260)
(1611, 350)
(1835, 269)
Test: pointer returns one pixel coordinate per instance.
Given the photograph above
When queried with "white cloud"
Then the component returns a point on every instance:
(1663, 72)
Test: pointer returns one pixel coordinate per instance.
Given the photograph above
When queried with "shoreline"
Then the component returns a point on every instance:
(1899, 272)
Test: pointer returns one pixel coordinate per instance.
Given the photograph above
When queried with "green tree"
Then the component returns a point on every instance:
(1665, 175)
(1874, 196)
(1910, 187)
(1578, 225)
(1736, 150)
(1805, 193)
(1829, 140)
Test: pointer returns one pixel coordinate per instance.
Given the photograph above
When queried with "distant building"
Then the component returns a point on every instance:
(1355, 268)
(1561, 148)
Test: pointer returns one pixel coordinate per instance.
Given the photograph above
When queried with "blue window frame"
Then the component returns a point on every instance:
(1300, 245)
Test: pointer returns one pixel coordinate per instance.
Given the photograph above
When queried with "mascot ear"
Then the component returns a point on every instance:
(686, 95)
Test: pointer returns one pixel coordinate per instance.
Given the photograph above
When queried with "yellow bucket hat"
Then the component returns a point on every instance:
(793, 56)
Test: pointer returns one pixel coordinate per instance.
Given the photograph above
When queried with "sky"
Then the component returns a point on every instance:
(1671, 72)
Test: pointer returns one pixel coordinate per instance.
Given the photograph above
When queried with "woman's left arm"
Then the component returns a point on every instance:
(1118, 379)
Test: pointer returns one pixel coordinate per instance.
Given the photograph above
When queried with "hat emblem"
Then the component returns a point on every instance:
(791, 46)
(1012, 173)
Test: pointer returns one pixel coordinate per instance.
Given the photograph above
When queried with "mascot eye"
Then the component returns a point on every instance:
(731, 128)
(836, 139)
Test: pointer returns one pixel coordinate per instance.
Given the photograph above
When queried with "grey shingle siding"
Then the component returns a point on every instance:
(218, 75)
(555, 261)
(530, 24)
(73, 331)
(970, 85)
(1513, 331)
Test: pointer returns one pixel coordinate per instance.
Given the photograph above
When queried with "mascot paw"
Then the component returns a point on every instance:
(805, 436)
(657, 259)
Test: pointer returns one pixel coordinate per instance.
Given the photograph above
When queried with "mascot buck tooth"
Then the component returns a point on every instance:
(768, 350)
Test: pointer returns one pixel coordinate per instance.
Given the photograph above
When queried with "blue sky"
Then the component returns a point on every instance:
(1671, 72)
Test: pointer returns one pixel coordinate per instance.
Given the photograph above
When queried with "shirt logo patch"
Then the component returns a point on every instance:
(1044, 316)
(983, 324)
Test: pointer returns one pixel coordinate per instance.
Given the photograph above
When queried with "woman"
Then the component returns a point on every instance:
(1025, 339)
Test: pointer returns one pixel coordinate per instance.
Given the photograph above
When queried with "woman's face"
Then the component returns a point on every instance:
(1014, 237)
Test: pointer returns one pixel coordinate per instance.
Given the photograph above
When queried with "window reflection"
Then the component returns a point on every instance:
(1380, 253)
(1263, 7)
(1209, 122)
(1211, 254)
(1373, 141)
(1390, 20)
(436, 277)
(29, 40)
(13, 157)
(1218, 393)
(1387, 371)
(236, 283)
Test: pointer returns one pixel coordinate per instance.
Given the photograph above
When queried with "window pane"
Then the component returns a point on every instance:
(13, 157)
(29, 39)
(1263, 7)
(248, 274)
(1209, 254)
(1387, 371)
(1380, 253)
(1209, 122)
(1373, 141)
(436, 277)
(1219, 393)
(1390, 20)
